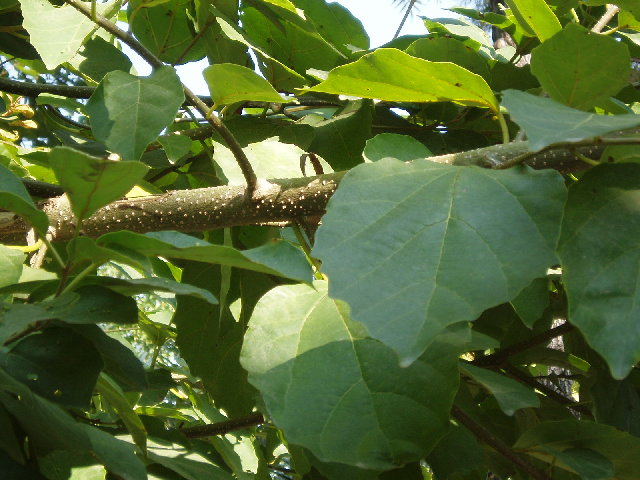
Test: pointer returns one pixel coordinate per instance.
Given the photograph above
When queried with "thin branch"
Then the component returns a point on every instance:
(611, 12)
(501, 356)
(221, 428)
(410, 6)
(30, 89)
(486, 437)
(155, 62)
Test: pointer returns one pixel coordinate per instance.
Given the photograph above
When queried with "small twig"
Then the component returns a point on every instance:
(498, 445)
(498, 358)
(222, 428)
(29, 89)
(611, 12)
(404, 18)
(193, 99)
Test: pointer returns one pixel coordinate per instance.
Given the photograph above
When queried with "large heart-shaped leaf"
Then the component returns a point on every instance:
(416, 247)
(601, 262)
(340, 394)
(547, 122)
(579, 68)
(92, 182)
(390, 74)
(127, 112)
(57, 33)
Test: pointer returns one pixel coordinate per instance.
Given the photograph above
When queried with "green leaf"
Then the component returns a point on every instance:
(15, 198)
(600, 259)
(120, 363)
(536, 16)
(531, 302)
(446, 462)
(97, 57)
(576, 441)
(96, 304)
(509, 394)
(392, 145)
(11, 261)
(111, 392)
(189, 464)
(128, 113)
(448, 49)
(547, 122)
(340, 139)
(392, 75)
(580, 68)
(57, 364)
(416, 247)
(230, 83)
(175, 146)
(340, 394)
(16, 317)
(91, 182)
(276, 258)
(167, 30)
(57, 33)
(135, 286)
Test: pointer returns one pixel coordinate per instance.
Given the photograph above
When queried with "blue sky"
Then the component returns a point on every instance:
(379, 17)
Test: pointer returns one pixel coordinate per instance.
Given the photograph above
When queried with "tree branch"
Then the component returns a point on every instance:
(283, 200)
(155, 62)
(611, 12)
(486, 437)
(220, 428)
(31, 89)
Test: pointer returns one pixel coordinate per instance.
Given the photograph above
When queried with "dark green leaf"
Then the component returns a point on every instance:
(510, 395)
(600, 258)
(97, 57)
(188, 464)
(579, 68)
(98, 304)
(338, 393)
(447, 49)
(547, 122)
(127, 113)
(531, 302)
(416, 247)
(90, 182)
(57, 364)
(445, 459)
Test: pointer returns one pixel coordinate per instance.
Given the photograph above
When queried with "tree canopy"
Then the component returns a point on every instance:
(417, 261)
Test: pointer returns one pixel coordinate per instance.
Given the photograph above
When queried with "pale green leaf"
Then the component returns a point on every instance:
(392, 75)
(340, 394)
(392, 145)
(230, 83)
(57, 33)
(580, 68)
(127, 112)
(11, 261)
(188, 463)
(601, 262)
(547, 122)
(91, 182)
(536, 16)
(416, 247)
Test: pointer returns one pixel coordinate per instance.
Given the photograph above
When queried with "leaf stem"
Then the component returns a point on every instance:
(78, 278)
(155, 62)
(498, 445)
(503, 128)
(307, 250)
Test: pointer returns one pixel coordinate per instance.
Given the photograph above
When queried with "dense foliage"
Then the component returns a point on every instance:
(444, 281)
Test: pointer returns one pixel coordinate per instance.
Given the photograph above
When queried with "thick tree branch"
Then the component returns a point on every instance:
(284, 200)
(155, 62)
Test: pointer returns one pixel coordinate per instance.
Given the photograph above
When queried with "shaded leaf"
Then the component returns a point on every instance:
(509, 394)
(600, 258)
(338, 393)
(96, 304)
(589, 464)
(416, 247)
(97, 57)
(57, 364)
(11, 261)
(187, 463)
(547, 122)
(91, 182)
(580, 68)
(276, 258)
(447, 49)
(531, 302)
(128, 113)
(392, 75)
(15, 198)
(392, 145)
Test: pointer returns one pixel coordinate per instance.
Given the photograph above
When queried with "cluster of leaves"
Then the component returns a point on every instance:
(408, 338)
